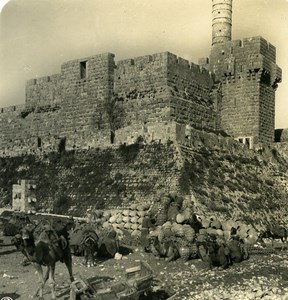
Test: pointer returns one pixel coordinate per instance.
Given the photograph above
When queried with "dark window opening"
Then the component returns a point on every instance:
(247, 142)
(39, 142)
(112, 136)
(62, 145)
(83, 69)
(278, 134)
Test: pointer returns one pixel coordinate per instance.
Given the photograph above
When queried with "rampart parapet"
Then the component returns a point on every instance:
(164, 59)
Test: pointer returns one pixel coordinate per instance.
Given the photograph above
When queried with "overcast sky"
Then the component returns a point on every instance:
(37, 36)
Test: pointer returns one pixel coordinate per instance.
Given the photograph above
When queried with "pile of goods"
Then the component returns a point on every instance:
(213, 226)
(99, 217)
(129, 220)
(177, 224)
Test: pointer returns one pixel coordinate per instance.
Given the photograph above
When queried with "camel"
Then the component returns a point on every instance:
(48, 249)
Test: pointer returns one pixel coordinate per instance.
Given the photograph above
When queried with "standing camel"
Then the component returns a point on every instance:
(46, 251)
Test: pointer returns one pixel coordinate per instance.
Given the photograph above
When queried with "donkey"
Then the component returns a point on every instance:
(90, 246)
(274, 233)
(46, 251)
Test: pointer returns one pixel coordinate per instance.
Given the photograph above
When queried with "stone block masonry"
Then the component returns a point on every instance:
(220, 174)
(24, 196)
(163, 88)
(249, 76)
(93, 99)
(61, 110)
(107, 177)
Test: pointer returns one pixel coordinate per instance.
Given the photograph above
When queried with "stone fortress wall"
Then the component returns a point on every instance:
(96, 102)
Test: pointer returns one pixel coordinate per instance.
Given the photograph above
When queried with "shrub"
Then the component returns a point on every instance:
(269, 182)
(255, 205)
(129, 152)
(211, 205)
(118, 176)
(231, 185)
(221, 209)
(225, 199)
(247, 219)
(62, 204)
(241, 206)
(202, 200)
(252, 187)
(190, 175)
(201, 192)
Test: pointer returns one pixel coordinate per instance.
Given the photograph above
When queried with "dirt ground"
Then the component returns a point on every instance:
(263, 276)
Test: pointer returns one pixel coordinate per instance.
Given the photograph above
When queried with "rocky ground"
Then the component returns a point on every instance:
(263, 276)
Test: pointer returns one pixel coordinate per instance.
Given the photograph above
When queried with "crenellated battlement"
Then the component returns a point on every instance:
(249, 43)
(11, 109)
(241, 58)
(164, 59)
(43, 80)
(249, 49)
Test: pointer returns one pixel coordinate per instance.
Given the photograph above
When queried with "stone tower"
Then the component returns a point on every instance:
(248, 75)
(221, 21)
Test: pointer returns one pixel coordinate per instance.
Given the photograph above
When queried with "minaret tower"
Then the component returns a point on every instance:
(221, 21)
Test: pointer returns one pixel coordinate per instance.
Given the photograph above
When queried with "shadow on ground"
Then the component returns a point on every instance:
(11, 295)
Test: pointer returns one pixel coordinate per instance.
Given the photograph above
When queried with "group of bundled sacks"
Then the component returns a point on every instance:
(172, 230)
(127, 223)
(130, 220)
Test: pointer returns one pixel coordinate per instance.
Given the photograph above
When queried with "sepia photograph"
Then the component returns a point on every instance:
(143, 149)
